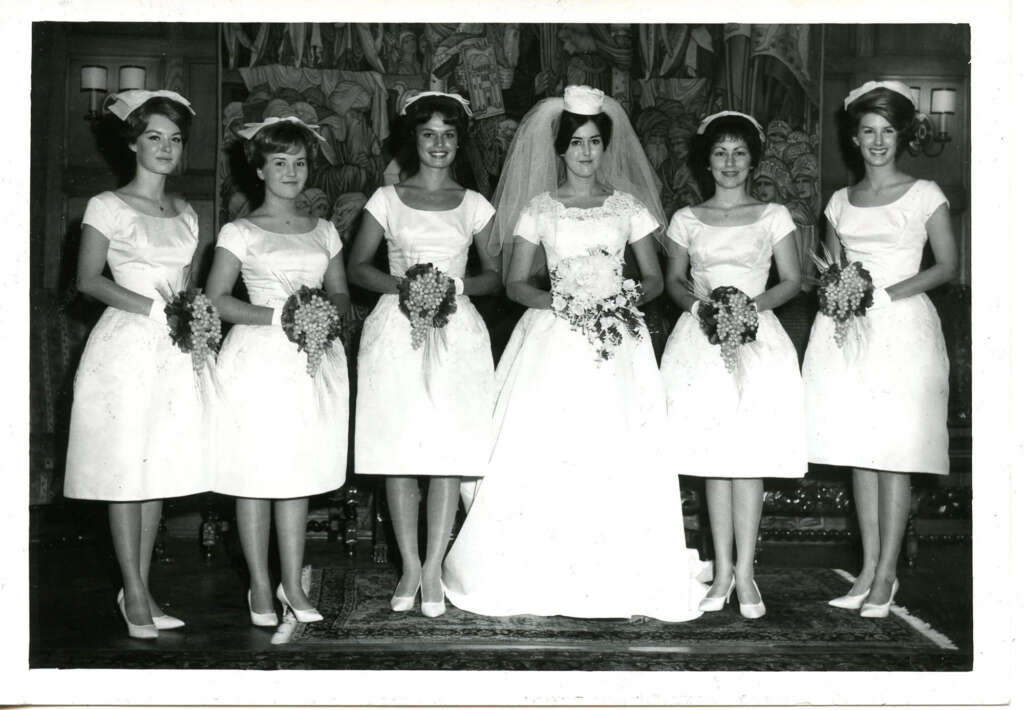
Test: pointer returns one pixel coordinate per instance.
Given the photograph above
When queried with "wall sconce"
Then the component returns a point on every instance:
(94, 80)
(943, 103)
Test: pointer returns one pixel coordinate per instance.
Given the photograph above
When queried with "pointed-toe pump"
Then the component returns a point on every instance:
(136, 631)
(306, 616)
(717, 603)
(260, 618)
(880, 611)
(754, 611)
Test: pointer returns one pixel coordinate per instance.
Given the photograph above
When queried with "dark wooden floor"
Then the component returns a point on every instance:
(74, 622)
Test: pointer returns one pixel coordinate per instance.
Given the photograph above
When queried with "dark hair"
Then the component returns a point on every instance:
(726, 127)
(135, 123)
(894, 107)
(419, 112)
(569, 123)
(280, 137)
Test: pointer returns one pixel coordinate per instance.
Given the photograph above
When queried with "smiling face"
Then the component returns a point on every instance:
(586, 147)
(284, 174)
(159, 148)
(729, 162)
(877, 140)
(436, 143)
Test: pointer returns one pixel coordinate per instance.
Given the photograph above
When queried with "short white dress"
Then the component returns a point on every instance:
(744, 425)
(578, 514)
(882, 406)
(417, 416)
(281, 433)
(137, 420)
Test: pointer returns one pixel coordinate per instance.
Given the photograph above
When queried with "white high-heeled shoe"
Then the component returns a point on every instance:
(165, 622)
(753, 611)
(849, 601)
(880, 611)
(136, 631)
(406, 602)
(717, 603)
(260, 618)
(432, 610)
(306, 616)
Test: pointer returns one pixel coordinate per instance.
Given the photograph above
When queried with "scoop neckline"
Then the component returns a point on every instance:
(760, 216)
(585, 209)
(465, 191)
(282, 234)
(887, 204)
(137, 211)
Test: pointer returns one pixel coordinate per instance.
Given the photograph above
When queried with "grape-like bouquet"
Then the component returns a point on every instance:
(426, 296)
(194, 325)
(728, 318)
(589, 292)
(844, 293)
(311, 321)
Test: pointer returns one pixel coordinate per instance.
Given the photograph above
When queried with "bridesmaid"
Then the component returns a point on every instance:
(882, 410)
(419, 414)
(137, 418)
(734, 429)
(281, 433)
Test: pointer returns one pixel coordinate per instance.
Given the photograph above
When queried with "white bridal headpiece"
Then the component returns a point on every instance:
(583, 100)
(721, 114)
(419, 95)
(897, 86)
(127, 101)
(251, 129)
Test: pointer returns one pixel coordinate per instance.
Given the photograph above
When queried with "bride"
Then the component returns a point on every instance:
(579, 515)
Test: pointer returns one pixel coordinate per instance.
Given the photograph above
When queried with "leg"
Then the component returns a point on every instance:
(442, 502)
(719, 495)
(125, 531)
(865, 497)
(253, 516)
(747, 499)
(893, 509)
(151, 510)
(290, 517)
(404, 505)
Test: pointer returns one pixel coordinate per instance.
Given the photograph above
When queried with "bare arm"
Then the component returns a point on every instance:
(489, 278)
(223, 275)
(92, 256)
(518, 286)
(787, 261)
(335, 283)
(940, 236)
(361, 270)
(651, 280)
(676, 275)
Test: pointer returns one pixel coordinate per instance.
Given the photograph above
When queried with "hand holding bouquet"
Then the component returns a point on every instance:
(311, 321)
(728, 318)
(844, 292)
(426, 296)
(589, 292)
(194, 325)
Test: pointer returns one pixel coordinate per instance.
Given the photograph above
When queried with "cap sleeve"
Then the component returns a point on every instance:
(833, 208)
(781, 223)
(931, 198)
(332, 241)
(232, 238)
(641, 222)
(677, 230)
(482, 211)
(526, 227)
(377, 206)
(191, 219)
(100, 215)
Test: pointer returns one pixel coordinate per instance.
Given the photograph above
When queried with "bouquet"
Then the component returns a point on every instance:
(426, 296)
(728, 318)
(589, 292)
(843, 293)
(311, 321)
(194, 325)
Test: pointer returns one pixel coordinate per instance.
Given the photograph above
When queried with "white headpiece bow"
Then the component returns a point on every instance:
(127, 101)
(897, 86)
(721, 114)
(251, 129)
(583, 100)
(423, 94)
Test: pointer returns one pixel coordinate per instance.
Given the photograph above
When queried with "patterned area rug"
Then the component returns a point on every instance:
(354, 603)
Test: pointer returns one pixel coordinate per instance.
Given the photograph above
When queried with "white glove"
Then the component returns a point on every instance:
(695, 308)
(460, 285)
(880, 298)
(156, 311)
(275, 319)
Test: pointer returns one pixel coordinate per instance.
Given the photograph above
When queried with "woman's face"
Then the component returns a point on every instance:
(764, 189)
(158, 149)
(730, 162)
(877, 140)
(437, 143)
(284, 174)
(586, 147)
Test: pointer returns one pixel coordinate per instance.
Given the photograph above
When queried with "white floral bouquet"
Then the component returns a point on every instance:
(589, 292)
(311, 321)
(426, 295)
(845, 292)
(194, 325)
(729, 319)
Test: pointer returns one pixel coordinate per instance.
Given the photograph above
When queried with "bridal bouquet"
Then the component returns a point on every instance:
(844, 292)
(194, 326)
(589, 292)
(426, 296)
(311, 321)
(728, 318)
